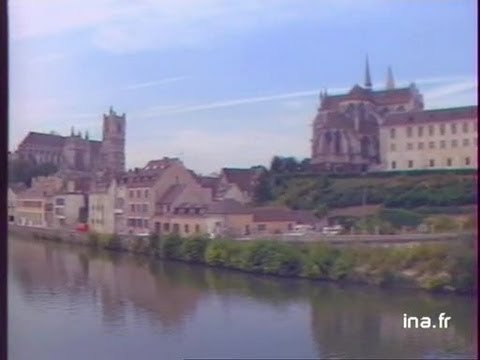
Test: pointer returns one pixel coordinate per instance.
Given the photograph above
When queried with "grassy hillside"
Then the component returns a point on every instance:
(312, 192)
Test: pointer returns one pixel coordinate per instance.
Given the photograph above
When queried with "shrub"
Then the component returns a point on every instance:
(172, 247)
(193, 249)
(155, 245)
(114, 243)
(401, 217)
(93, 240)
(321, 259)
(218, 253)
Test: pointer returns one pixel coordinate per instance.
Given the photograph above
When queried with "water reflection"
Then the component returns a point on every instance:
(224, 313)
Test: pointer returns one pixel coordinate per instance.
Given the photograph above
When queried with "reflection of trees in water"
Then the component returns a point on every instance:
(345, 321)
(113, 278)
(368, 322)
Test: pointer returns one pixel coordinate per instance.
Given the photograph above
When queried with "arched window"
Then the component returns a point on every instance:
(365, 147)
(119, 127)
(337, 142)
(327, 142)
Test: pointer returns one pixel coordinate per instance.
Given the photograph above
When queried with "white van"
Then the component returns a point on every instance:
(332, 230)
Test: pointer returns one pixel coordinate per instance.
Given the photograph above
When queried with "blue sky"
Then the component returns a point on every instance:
(225, 83)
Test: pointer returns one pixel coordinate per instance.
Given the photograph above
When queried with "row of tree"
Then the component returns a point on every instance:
(23, 171)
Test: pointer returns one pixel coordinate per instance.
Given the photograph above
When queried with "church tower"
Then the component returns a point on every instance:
(113, 142)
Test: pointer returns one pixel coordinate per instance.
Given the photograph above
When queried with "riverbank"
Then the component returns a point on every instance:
(432, 267)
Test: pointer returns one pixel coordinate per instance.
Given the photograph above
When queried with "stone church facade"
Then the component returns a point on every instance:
(78, 153)
(346, 128)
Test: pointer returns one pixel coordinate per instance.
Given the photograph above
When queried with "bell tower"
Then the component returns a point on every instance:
(113, 142)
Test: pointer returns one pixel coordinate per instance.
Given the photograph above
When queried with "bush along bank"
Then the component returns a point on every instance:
(433, 267)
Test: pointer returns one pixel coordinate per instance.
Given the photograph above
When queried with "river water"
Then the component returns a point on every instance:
(68, 302)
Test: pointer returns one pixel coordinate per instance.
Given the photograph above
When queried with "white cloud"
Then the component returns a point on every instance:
(121, 26)
(155, 83)
(451, 89)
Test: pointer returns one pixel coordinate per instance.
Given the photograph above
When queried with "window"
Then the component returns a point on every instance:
(392, 147)
(465, 142)
(409, 146)
(145, 223)
(449, 162)
(139, 194)
(166, 227)
(431, 130)
(60, 201)
(146, 194)
(261, 227)
(392, 133)
(442, 144)
(454, 143)
(431, 144)
(420, 131)
(290, 227)
(197, 228)
(132, 207)
(394, 164)
(409, 131)
(442, 129)
(410, 164)
(187, 228)
(432, 163)
(453, 128)
(465, 127)
(131, 222)
(176, 228)
(131, 194)
(467, 160)
(420, 145)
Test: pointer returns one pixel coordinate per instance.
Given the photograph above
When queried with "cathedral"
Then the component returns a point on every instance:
(346, 128)
(77, 153)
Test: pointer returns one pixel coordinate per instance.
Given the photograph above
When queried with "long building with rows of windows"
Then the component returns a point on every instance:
(430, 139)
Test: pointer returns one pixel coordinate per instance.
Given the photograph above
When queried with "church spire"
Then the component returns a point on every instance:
(368, 80)
(390, 81)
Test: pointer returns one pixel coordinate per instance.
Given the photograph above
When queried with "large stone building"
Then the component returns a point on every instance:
(77, 152)
(430, 139)
(346, 127)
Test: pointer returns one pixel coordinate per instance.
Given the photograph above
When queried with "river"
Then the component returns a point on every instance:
(67, 302)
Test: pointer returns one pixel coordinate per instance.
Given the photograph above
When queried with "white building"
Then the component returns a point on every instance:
(430, 139)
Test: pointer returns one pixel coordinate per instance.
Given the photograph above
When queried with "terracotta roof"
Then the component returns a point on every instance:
(40, 139)
(243, 178)
(392, 96)
(428, 116)
(171, 194)
(379, 97)
(267, 214)
(305, 217)
(160, 164)
(227, 206)
(52, 140)
(210, 182)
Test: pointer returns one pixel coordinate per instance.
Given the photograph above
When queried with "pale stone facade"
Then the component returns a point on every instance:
(68, 208)
(430, 139)
(106, 212)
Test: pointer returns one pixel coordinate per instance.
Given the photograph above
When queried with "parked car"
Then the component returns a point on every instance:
(332, 230)
(82, 228)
